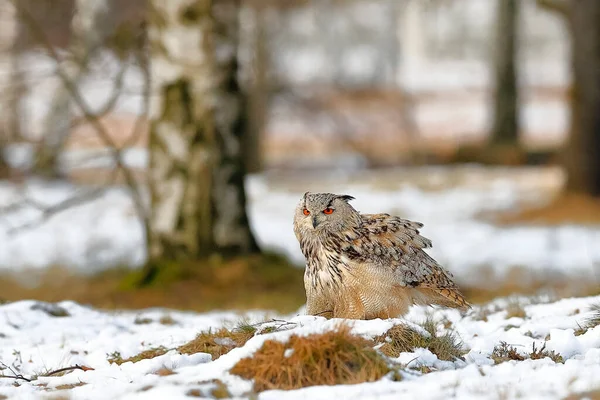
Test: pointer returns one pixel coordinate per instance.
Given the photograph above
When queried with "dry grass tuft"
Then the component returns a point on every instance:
(590, 322)
(70, 386)
(142, 321)
(594, 320)
(115, 358)
(167, 320)
(165, 372)
(219, 342)
(404, 338)
(514, 309)
(330, 358)
(538, 354)
(194, 393)
(591, 395)
(220, 390)
(505, 352)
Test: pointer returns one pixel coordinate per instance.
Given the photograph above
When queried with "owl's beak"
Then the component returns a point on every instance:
(314, 221)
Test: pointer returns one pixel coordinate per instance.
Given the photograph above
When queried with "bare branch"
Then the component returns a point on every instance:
(49, 211)
(116, 92)
(86, 111)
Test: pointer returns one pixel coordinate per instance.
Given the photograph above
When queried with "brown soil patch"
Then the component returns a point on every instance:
(263, 282)
(566, 209)
(522, 281)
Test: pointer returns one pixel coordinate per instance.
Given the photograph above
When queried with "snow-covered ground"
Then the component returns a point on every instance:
(105, 232)
(35, 342)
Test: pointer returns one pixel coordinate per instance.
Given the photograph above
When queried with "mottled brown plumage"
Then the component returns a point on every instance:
(366, 266)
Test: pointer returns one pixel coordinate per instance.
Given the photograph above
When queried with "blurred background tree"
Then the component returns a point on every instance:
(9, 123)
(189, 126)
(196, 135)
(90, 27)
(582, 153)
(505, 128)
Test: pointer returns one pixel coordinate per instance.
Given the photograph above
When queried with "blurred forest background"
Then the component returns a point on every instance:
(152, 151)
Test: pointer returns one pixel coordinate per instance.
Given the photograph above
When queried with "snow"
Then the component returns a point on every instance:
(35, 342)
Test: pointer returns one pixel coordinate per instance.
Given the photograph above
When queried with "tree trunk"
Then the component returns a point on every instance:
(582, 156)
(197, 111)
(89, 27)
(505, 128)
(258, 93)
(8, 117)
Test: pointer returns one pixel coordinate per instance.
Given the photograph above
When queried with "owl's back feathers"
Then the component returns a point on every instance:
(395, 243)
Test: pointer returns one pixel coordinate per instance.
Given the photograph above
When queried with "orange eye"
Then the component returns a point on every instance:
(328, 211)
(306, 212)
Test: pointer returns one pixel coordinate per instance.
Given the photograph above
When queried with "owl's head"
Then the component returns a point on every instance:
(325, 212)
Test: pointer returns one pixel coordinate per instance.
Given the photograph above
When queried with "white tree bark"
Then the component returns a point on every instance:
(196, 170)
(8, 117)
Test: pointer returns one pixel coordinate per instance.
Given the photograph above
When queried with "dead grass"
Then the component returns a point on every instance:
(590, 322)
(115, 358)
(514, 309)
(219, 342)
(331, 358)
(220, 390)
(505, 352)
(594, 320)
(591, 395)
(566, 208)
(260, 281)
(165, 372)
(167, 320)
(404, 338)
(70, 386)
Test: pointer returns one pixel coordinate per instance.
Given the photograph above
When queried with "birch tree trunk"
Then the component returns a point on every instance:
(196, 169)
(582, 157)
(89, 27)
(8, 117)
(505, 128)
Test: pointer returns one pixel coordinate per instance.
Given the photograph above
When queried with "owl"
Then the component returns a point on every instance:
(365, 266)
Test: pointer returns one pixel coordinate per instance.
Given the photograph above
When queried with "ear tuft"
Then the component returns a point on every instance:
(345, 197)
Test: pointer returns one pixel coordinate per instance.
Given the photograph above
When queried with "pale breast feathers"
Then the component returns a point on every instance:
(393, 242)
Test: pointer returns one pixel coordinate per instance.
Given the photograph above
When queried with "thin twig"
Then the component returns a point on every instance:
(66, 369)
(15, 375)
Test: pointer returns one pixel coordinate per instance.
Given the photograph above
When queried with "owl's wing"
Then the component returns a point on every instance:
(393, 242)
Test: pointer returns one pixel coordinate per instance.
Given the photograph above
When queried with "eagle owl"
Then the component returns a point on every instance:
(365, 266)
